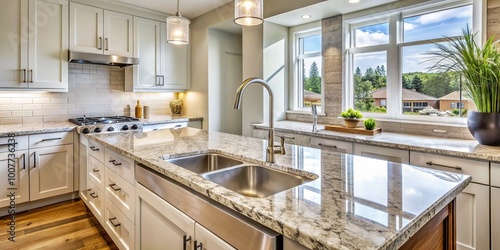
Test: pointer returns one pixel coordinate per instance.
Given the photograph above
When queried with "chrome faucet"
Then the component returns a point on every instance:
(314, 111)
(270, 136)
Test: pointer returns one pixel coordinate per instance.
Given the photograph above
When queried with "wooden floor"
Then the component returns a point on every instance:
(63, 226)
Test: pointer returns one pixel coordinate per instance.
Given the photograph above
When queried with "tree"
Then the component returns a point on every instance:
(313, 82)
(363, 99)
(406, 83)
(417, 84)
(439, 85)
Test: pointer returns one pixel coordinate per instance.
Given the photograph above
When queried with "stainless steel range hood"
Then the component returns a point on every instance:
(89, 58)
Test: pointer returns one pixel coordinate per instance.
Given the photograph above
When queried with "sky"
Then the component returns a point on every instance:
(418, 28)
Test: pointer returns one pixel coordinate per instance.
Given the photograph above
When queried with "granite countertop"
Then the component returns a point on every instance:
(36, 128)
(354, 203)
(162, 119)
(445, 146)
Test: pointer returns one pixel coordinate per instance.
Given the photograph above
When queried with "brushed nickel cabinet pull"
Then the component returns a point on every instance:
(93, 148)
(31, 76)
(99, 44)
(430, 163)
(326, 145)
(24, 76)
(112, 186)
(93, 195)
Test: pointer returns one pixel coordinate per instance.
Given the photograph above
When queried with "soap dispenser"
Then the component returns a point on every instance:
(138, 110)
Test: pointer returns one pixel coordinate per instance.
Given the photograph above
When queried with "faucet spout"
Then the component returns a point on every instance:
(237, 104)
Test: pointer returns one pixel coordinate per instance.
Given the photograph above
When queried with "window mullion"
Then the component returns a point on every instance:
(393, 72)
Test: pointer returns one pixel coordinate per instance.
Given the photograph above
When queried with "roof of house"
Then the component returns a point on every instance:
(454, 96)
(408, 95)
(310, 96)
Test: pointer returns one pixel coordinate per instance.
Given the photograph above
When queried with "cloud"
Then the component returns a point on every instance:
(367, 38)
(438, 17)
(409, 26)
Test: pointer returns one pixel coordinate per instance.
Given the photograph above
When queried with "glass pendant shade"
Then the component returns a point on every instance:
(177, 30)
(248, 12)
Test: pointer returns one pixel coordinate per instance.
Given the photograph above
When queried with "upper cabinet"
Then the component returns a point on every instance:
(34, 45)
(162, 66)
(98, 31)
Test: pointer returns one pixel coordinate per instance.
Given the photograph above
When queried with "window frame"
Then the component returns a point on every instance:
(394, 50)
(297, 56)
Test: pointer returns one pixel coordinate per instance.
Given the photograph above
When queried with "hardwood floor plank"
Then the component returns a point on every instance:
(66, 225)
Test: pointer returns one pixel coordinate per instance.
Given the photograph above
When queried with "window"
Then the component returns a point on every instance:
(389, 67)
(308, 68)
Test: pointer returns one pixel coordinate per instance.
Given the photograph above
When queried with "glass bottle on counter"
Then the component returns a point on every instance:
(138, 110)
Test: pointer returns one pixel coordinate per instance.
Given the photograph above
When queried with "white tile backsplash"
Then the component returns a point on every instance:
(93, 90)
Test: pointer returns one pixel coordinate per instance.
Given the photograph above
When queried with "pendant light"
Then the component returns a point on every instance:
(177, 28)
(248, 12)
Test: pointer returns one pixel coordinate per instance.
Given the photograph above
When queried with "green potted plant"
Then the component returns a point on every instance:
(351, 117)
(370, 124)
(480, 65)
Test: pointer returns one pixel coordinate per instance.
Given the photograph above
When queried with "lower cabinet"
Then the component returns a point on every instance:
(51, 171)
(159, 224)
(495, 218)
(153, 127)
(382, 153)
(332, 145)
(14, 169)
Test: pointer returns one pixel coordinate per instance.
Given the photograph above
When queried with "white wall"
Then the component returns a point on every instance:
(220, 43)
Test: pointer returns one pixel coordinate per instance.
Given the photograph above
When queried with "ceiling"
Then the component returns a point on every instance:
(322, 10)
(188, 8)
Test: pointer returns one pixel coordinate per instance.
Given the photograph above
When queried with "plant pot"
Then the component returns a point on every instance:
(351, 123)
(484, 127)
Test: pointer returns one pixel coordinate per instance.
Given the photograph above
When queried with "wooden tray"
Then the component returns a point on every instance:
(357, 130)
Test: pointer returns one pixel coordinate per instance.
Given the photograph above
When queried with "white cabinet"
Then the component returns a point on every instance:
(98, 31)
(495, 218)
(333, 145)
(51, 171)
(18, 181)
(160, 224)
(34, 45)
(163, 66)
(473, 220)
(382, 153)
(153, 127)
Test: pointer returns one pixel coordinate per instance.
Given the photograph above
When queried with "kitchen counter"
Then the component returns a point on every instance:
(355, 202)
(36, 128)
(452, 147)
(162, 119)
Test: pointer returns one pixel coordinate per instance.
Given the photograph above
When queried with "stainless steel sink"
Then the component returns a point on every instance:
(205, 162)
(255, 181)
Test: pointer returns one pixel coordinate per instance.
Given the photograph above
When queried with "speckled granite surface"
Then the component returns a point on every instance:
(36, 128)
(452, 147)
(355, 203)
(162, 119)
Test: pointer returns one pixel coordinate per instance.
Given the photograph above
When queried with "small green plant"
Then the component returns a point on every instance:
(370, 124)
(351, 114)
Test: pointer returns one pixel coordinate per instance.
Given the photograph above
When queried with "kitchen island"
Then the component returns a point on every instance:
(353, 203)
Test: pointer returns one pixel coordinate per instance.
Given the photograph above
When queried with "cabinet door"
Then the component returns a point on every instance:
(117, 34)
(15, 170)
(473, 220)
(495, 218)
(48, 46)
(332, 145)
(382, 153)
(86, 25)
(159, 224)
(208, 240)
(175, 64)
(14, 44)
(148, 49)
(51, 171)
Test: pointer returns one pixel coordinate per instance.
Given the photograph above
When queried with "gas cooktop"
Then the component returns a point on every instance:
(102, 120)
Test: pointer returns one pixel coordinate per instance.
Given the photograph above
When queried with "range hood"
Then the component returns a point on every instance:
(110, 60)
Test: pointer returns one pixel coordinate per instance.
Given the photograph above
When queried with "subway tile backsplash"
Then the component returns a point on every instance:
(93, 90)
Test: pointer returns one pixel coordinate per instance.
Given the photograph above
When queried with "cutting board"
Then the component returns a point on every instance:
(357, 130)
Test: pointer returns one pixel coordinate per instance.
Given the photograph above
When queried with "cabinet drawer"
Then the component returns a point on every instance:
(290, 138)
(479, 170)
(95, 172)
(50, 139)
(119, 228)
(97, 150)
(121, 193)
(495, 174)
(21, 142)
(95, 201)
(121, 165)
(382, 153)
(333, 145)
(164, 126)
